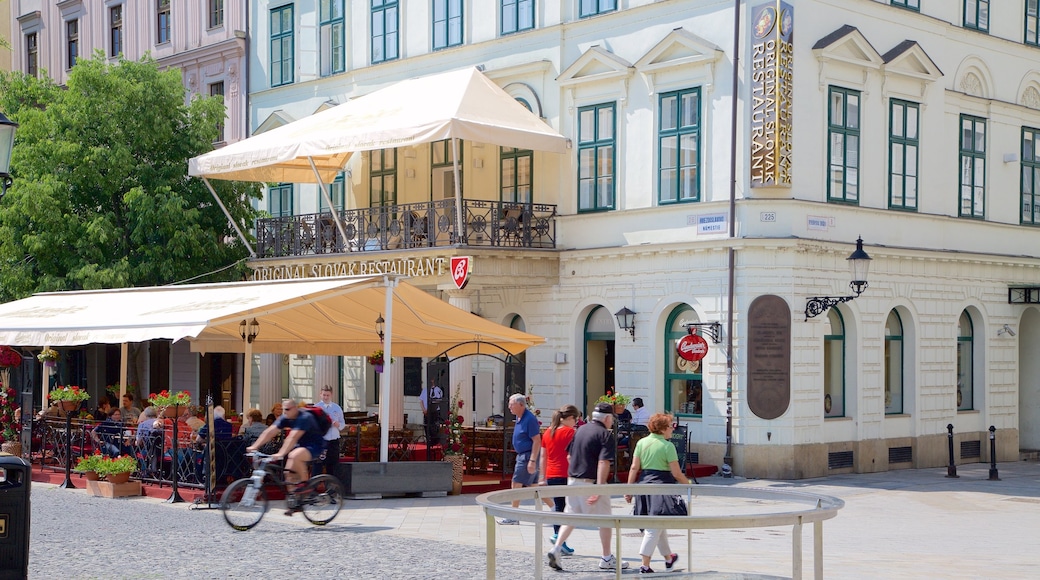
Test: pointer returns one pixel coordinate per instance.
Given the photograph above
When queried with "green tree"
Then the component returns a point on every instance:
(101, 197)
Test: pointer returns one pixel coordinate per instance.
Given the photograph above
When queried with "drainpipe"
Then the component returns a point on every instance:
(728, 457)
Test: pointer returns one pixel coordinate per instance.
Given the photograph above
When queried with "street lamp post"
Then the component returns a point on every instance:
(7, 128)
(859, 265)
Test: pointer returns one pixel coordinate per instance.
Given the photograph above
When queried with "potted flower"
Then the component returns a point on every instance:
(376, 359)
(455, 449)
(619, 401)
(9, 357)
(69, 397)
(48, 357)
(89, 464)
(165, 399)
(116, 469)
(9, 425)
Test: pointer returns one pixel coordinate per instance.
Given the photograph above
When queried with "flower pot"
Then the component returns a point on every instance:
(69, 405)
(379, 368)
(172, 412)
(49, 364)
(91, 475)
(116, 478)
(618, 409)
(12, 447)
(458, 464)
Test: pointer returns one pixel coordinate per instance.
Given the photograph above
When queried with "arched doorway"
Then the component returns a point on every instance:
(599, 356)
(1029, 382)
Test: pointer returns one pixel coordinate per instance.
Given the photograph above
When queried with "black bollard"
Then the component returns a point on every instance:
(175, 497)
(993, 454)
(951, 470)
(67, 484)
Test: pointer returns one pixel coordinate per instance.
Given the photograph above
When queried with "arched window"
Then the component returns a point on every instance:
(965, 354)
(893, 364)
(684, 386)
(599, 355)
(834, 366)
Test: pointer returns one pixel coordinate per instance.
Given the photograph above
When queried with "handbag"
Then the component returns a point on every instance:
(676, 506)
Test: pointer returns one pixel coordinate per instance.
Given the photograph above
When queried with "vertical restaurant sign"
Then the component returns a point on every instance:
(772, 85)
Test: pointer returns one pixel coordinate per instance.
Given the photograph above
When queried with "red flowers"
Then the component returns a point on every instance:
(9, 357)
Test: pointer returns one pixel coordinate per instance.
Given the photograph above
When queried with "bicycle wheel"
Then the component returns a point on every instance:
(323, 500)
(243, 505)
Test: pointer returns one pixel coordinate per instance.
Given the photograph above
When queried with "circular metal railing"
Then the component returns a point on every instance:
(787, 508)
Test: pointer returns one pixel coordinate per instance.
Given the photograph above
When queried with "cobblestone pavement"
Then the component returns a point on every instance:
(905, 524)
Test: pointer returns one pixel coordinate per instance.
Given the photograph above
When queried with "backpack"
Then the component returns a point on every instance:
(320, 417)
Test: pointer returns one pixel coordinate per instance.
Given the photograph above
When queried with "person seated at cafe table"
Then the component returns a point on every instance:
(130, 412)
(104, 409)
(251, 431)
(221, 427)
(108, 434)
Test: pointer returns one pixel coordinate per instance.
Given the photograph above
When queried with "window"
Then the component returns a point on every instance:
(333, 39)
(217, 90)
(517, 15)
(516, 174)
(337, 191)
(442, 170)
(216, 13)
(115, 30)
(447, 23)
(384, 30)
(596, 157)
(282, 46)
(911, 4)
(1032, 11)
(683, 379)
(843, 145)
(280, 200)
(902, 155)
(71, 42)
(383, 178)
(893, 364)
(973, 167)
(162, 21)
(1030, 176)
(678, 146)
(965, 356)
(976, 14)
(594, 7)
(834, 366)
(32, 55)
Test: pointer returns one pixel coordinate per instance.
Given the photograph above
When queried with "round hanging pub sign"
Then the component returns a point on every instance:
(692, 347)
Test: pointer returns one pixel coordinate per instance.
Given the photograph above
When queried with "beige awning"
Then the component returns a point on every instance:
(461, 104)
(328, 316)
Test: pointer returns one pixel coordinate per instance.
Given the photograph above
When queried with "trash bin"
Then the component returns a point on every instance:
(15, 479)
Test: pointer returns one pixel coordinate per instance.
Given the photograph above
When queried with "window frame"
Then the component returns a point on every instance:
(1031, 166)
(828, 388)
(282, 192)
(32, 55)
(382, 174)
(71, 42)
(976, 156)
(892, 341)
(905, 143)
(965, 357)
(163, 22)
(115, 31)
(590, 8)
(596, 145)
(511, 190)
(332, 28)
(338, 194)
(446, 23)
(277, 44)
(977, 23)
(678, 133)
(215, 12)
(847, 132)
(517, 9)
(387, 11)
(217, 88)
(672, 372)
(914, 5)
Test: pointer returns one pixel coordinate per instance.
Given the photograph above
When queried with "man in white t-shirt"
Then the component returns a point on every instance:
(640, 414)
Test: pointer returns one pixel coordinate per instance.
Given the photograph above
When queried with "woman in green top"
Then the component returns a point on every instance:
(655, 461)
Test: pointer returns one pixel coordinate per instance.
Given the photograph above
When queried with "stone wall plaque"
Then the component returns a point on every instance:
(769, 357)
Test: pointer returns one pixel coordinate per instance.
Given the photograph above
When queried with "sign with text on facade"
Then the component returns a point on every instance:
(460, 266)
(712, 224)
(426, 267)
(692, 347)
(772, 86)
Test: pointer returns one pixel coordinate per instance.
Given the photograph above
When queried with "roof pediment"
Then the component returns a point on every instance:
(273, 121)
(595, 64)
(679, 48)
(325, 106)
(848, 45)
(909, 59)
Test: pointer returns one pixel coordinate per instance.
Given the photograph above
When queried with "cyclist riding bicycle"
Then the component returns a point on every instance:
(305, 441)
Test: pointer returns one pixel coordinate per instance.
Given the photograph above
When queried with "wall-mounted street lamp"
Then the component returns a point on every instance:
(380, 327)
(7, 128)
(249, 331)
(626, 319)
(859, 265)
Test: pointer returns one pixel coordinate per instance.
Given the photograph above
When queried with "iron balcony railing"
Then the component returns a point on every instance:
(409, 226)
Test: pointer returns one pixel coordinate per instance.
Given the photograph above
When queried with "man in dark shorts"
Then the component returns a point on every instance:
(305, 441)
(527, 442)
(591, 455)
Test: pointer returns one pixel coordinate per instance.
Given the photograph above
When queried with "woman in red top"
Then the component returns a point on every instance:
(554, 462)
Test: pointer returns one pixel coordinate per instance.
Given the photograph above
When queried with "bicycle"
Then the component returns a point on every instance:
(245, 501)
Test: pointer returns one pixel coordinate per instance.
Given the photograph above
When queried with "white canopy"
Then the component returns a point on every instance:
(462, 104)
(327, 316)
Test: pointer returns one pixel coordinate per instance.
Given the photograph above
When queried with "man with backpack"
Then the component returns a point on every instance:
(306, 441)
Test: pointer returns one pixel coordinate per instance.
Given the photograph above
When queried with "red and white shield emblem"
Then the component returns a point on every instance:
(460, 270)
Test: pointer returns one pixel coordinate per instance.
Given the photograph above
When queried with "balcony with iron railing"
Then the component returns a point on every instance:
(497, 224)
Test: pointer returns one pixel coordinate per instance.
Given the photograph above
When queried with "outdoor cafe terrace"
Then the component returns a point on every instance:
(409, 226)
